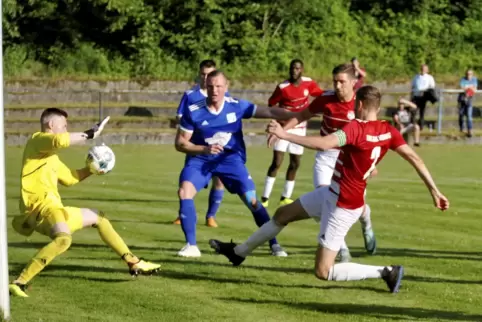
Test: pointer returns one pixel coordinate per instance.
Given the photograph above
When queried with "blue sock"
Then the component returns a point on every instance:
(187, 212)
(215, 198)
(261, 217)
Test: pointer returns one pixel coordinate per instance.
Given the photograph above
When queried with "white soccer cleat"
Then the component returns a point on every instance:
(278, 251)
(189, 251)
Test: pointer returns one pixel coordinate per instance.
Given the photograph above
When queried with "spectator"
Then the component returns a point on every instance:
(359, 72)
(423, 90)
(469, 84)
(403, 120)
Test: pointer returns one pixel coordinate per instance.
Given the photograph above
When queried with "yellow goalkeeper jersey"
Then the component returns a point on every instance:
(42, 170)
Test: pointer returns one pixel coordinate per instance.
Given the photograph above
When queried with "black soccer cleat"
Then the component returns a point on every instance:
(393, 278)
(226, 249)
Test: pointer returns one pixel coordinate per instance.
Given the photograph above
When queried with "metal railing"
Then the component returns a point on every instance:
(99, 95)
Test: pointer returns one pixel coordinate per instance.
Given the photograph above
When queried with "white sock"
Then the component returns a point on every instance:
(262, 235)
(268, 187)
(288, 190)
(343, 245)
(365, 218)
(354, 272)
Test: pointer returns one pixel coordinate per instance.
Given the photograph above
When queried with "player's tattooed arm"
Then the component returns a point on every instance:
(406, 152)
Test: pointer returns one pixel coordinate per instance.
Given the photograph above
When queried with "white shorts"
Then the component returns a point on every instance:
(291, 148)
(325, 162)
(320, 204)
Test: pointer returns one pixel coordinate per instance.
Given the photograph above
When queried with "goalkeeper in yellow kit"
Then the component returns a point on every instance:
(42, 209)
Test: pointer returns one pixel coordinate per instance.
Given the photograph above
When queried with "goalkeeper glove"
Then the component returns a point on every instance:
(97, 129)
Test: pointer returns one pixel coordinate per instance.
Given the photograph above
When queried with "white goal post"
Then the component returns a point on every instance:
(4, 294)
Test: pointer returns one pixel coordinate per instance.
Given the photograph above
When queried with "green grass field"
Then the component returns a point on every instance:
(442, 252)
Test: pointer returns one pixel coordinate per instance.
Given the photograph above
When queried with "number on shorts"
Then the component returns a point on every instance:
(375, 155)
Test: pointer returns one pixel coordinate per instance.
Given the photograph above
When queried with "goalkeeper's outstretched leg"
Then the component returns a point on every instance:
(60, 224)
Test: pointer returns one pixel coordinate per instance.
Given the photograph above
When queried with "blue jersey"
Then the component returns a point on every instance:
(195, 94)
(223, 128)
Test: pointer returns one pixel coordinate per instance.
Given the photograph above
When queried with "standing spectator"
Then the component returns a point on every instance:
(360, 73)
(403, 120)
(469, 84)
(423, 90)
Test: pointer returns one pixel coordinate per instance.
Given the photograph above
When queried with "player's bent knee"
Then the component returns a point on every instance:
(251, 201)
(322, 273)
(186, 191)
(63, 242)
(102, 221)
(90, 217)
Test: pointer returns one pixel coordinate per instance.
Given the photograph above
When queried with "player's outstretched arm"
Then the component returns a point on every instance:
(92, 133)
(299, 117)
(311, 142)
(406, 152)
(46, 142)
(280, 114)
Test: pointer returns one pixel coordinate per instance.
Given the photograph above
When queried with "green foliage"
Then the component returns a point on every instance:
(252, 40)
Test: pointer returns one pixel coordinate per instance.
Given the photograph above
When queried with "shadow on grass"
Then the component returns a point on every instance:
(123, 200)
(375, 311)
(37, 245)
(90, 278)
(396, 252)
(210, 278)
(186, 261)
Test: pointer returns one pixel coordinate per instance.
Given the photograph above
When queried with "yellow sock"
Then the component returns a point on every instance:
(112, 238)
(57, 246)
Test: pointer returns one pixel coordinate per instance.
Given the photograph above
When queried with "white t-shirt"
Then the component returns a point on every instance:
(421, 83)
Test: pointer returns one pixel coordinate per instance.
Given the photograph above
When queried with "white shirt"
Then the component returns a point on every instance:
(421, 83)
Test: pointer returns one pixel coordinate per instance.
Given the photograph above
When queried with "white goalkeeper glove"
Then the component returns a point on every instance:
(97, 129)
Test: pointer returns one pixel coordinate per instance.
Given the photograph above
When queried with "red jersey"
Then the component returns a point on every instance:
(295, 98)
(336, 114)
(367, 142)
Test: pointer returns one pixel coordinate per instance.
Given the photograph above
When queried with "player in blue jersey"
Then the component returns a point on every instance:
(210, 133)
(195, 94)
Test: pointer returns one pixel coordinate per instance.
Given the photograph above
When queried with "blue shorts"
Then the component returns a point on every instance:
(231, 170)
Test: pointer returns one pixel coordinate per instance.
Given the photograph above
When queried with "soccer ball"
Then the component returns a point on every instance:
(100, 159)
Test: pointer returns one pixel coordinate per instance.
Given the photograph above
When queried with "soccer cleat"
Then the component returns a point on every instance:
(177, 221)
(143, 267)
(370, 241)
(226, 249)
(211, 222)
(344, 255)
(393, 278)
(285, 201)
(265, 203)
(18, 289)
(278, 251)
(189, 251)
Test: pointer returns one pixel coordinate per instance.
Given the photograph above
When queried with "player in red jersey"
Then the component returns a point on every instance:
(293, 94)
(337, 108)
(364, 142)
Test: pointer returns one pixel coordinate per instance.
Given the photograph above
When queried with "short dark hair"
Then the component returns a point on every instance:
(296, 61)
(52, 111)
(370, 96)
(216, 73)
(207, 63)
(346, 68)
